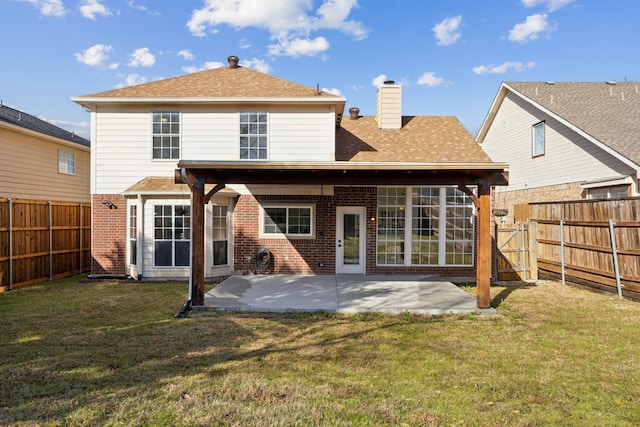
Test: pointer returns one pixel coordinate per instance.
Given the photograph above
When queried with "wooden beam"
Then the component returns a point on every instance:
(483, 269)
(197, 241)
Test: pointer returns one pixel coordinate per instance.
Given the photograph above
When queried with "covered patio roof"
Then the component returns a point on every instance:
(197, 173)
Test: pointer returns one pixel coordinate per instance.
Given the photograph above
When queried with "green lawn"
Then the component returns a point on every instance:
(105, 353)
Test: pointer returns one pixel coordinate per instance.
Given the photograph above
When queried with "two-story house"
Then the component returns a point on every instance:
(41, 161)
(202, 171)
(564, 140)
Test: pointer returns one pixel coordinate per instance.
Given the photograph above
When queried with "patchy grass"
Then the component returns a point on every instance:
(111, 353)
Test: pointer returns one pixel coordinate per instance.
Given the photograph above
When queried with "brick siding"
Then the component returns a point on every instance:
(108, 239)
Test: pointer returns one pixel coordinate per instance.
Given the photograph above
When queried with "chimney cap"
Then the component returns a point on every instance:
(389, 82)
(233, 61)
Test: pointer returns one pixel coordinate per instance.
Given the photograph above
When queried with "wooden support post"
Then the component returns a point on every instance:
(197, 242)
(483, 269)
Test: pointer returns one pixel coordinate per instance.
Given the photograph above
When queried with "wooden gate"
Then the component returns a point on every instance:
(516, 257)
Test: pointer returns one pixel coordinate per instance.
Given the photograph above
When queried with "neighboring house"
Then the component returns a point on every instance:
(564, 140)
(41, 161)
(284, 171)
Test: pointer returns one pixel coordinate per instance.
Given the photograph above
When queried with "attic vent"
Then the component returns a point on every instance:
(233, 61)
(354, 113)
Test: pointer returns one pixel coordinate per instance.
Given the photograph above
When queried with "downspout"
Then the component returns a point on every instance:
(140, 237)
(187, 306)
(10, 244)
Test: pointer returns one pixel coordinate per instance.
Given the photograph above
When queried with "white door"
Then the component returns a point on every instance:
(350, 240)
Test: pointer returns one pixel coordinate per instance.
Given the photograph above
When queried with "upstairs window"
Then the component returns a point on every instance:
(66, 162)
(166, 135)
(537, 140)
(253, 136)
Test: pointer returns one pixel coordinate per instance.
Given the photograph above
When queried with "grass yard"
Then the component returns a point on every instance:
(111, 354)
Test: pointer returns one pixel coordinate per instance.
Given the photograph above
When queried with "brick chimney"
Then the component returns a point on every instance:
(389, 106)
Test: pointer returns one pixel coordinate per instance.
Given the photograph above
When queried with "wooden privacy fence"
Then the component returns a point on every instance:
(516, 251)
(595, 243)
(42, 240)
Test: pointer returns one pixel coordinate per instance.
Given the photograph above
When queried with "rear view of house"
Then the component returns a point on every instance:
(211, 171)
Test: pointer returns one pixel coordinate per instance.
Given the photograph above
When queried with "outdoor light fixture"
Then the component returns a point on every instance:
(109, 204)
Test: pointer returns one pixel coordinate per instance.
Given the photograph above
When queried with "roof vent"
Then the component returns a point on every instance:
(233, 61)
(354, 112)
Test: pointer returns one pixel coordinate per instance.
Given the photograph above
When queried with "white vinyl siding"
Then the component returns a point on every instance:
(123, 149)
(568, 157)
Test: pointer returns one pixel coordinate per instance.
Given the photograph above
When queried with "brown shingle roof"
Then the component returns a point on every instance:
(219, 82)
(608, 112)
(161, 184)
(421, 139)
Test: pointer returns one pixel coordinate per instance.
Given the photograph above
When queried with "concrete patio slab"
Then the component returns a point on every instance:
(424, 294)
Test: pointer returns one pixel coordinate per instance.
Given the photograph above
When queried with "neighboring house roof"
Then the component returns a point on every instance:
(431, 139)
(607, 113)
(27, 121)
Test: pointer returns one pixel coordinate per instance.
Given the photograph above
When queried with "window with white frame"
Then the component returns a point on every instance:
(66, 162)
(612, 192)
(172, 233)
(220, 235)
(133, 235)
(391, 225)
(166, 135)
(288, 220)
(537, 140)
(253, 136)
(441, 232)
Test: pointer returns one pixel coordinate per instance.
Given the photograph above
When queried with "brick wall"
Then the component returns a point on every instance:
(108, 240)
(303, 256)
(552, 193)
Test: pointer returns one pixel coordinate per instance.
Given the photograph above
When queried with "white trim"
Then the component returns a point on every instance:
(264, 235)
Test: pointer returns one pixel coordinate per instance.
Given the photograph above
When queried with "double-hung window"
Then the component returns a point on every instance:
(66, 162)
(293, 220)
(166, 135)
(220, 235)
(172, 233)
(253, 136)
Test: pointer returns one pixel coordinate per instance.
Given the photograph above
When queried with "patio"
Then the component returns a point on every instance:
(421, 294)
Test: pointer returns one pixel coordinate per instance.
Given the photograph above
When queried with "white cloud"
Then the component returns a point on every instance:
(332, 90)
(48, 7)
(530, 29)
(95, 55)
(299, 47)
(447, 31)
(244, 44)
(186, 55)
(550, 4)
(429, 79)
(289, 22)
(140, 7)
(210, 65)
(503, 68)
(91, 8)
(132, 80)
(256, 64)
(142, 58)
(379, 81)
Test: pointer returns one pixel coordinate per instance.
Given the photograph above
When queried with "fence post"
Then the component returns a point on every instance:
(523, 254)
(614, 250)
(50, 242)
(10, 244)
(80, 239)
(562, 249)
(533, 249)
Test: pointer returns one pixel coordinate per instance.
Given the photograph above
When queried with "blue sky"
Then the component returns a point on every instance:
(449, 55)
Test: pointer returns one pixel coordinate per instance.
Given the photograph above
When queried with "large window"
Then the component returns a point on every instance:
(220, 236)
(172, 231)
(253, 136)
(66, 162)
(166, 135)
(537, 140)
(287, 220)
(391, 230)
(441, 232)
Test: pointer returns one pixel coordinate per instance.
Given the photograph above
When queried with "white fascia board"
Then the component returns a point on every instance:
(491, 114)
